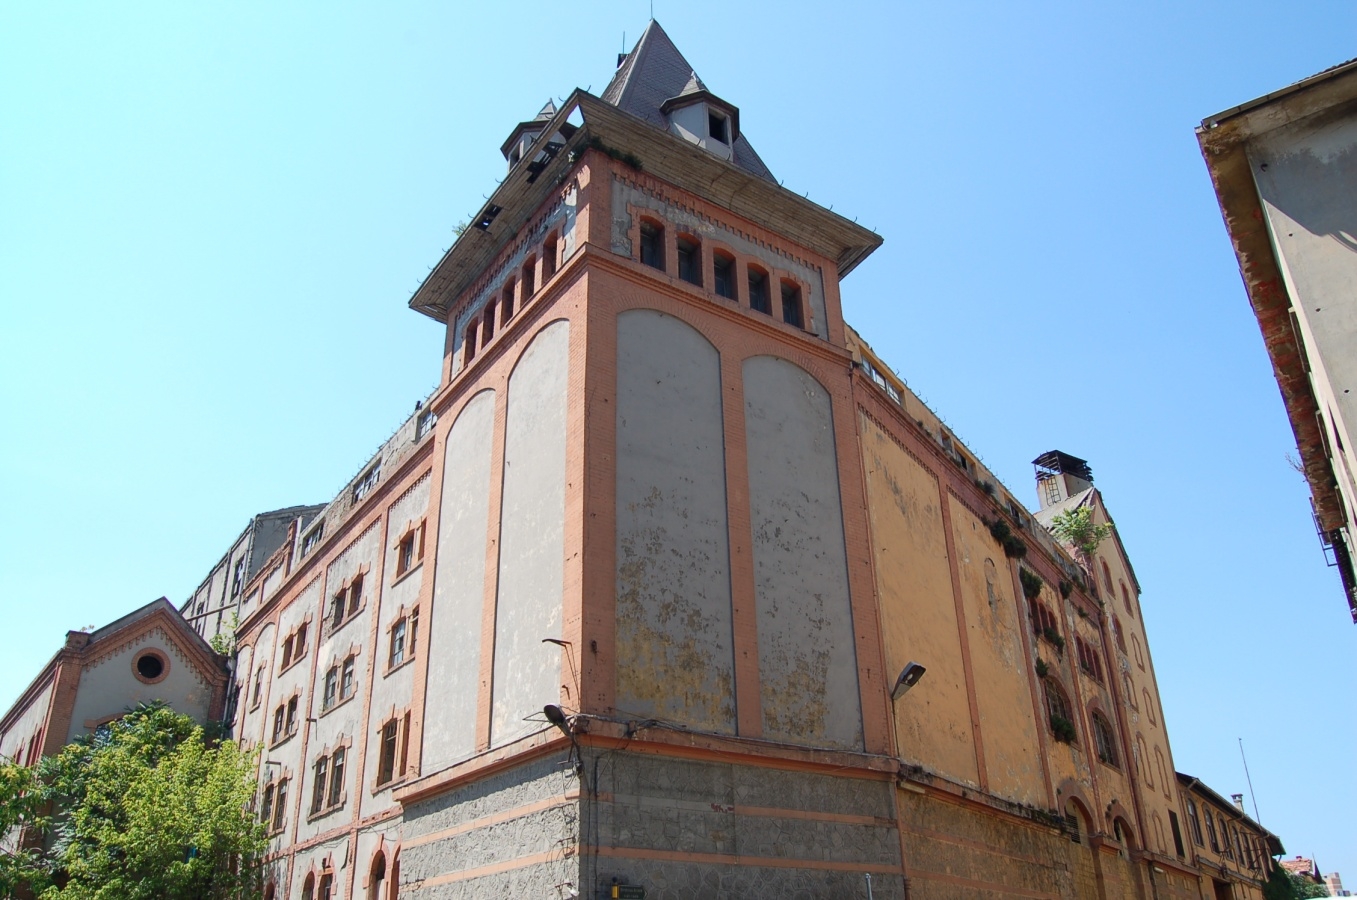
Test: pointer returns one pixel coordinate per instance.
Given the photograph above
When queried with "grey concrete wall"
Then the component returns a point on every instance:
(532, 536)
(519, 820)
(675, 655)
(624, 195)
(459, 588)
(1307, 177)
(786, 828)
(807, 660)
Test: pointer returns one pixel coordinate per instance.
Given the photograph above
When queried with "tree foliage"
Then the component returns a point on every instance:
(1077, 528)
(148, 807)
(21, 820)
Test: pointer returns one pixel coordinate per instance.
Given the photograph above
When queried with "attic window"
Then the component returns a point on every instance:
(716, 126)
(515, 155)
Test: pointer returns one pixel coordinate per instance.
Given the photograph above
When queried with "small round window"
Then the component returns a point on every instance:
(150, 666)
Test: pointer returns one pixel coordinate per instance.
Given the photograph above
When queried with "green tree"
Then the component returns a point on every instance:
(148, 808)
(1077, 528)
(1304, 887)
(22, 825)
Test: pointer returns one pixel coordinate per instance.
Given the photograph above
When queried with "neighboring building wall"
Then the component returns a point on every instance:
(1227, 846)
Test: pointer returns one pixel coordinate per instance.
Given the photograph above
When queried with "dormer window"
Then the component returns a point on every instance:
(717, 125)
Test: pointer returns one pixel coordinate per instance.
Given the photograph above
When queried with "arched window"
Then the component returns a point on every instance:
(1105, 738)
(309, 888)
(549, 252)
(1107, 575)
(689, 259)
(506, 302)
(269, 891)
(377, 876)
(1059, 715)
(1121, 829)
(1194, 822)
(759, 300)
(652, 244)
(1143, 762)
(1126, 599)
(469, 340)
(1149, 707)
(723, 274)
(1211, 830)
(991, 576)
(1117, 633)
(488, 317)
(1135, 648)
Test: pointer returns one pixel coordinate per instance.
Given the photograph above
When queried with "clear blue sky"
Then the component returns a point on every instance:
(212, 216)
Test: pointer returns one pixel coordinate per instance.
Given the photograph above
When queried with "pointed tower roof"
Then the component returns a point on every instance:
(654, 72)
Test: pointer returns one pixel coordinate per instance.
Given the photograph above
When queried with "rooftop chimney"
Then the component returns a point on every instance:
(1060, 477)
(1238, 801)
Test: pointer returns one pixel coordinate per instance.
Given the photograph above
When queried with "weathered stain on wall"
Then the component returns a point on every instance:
(459, 588)
(807, 659)
(675, 655)
(918, 619)
(999, 664)
(532, 536)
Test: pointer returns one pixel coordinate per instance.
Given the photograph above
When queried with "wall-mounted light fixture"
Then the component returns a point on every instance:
(909, 676)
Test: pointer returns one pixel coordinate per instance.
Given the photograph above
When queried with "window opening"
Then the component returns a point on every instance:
(723, 275)
(337, 777)
(1061, 718)
(318, 788)
(506, 309)
(652, 244)
(469, 341)
(549, 256)
(291, 722)
(386, 765)
(331, 688)
(346, 679)
(280, 805)
(488, 320)
(529, 280)
(1177, 834)
(367, 482)
(716, 127)
(1193, 822)
(791, 304)
(310, 542)
(690, 260)
(758, 291)
(1105, 739)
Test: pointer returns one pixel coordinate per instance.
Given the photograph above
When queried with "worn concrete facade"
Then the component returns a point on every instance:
(626, 601)
(1284, 168)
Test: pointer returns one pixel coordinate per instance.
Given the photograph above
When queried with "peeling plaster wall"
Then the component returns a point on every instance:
(918, 617)
(675, 656)
(532, 536)
(724, 830)
(807, 659)
(459, 588)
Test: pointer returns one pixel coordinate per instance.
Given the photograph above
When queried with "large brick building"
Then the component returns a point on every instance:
(628, 601)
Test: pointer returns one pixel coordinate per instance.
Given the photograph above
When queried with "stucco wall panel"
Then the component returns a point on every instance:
(1013, 754)
(108, 687)
(674, 625)
(807, 658)
(918, 617)
(459, 587)
(532, 536)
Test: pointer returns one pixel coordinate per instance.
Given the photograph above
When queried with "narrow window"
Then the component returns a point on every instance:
(758, 291)
(291, 726)
(690, 260)
(397, 655)
(377, 877)
(367, 482)
(287, 652)
(723, 275)
(337, 777)
(1116, 633)
(318, 788)
(327, 883)
(529, 277)
(266, 807)
(309, 888)
(488, 318)
(469, 341)
(355, 593)
(1211, 832)
(278, 722)
(549, 256)
(337, 608)
(346, 679)
(1126, 599)
(386, 763)
(1105, 738)
(791, 304)
(331, 687)
(405, 743)
(258, 686)
(1193, 822)
(1058, 714)
(405, 554)
(280, 805)
(716, 126)
(1107, 575)
(299, 643)
(1177, 834)
(652, 244)
(506, 303)
(413, 632)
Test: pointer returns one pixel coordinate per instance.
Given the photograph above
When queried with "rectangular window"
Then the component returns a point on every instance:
(338, 604)
(291, 725)
(716, 127)
(758, 292)
(425, 423)
(405, 554)
(355, 593)
(723, 275)
(331, 688)
(266, 807)
(652, 245)
(367, 482)
(1177, 834)
(238, 578)
(549, 256)
(287, 652)
(690, 261)
(1193, 823)
(278, 722)
(280, 805)
(258, 686)
(299, 643)
(337, 777)
(346, 679)
(791, 305)
(313, 538)
(318, 788)
(397, 655)
(469, 341)
(386, 763)
(529, 278)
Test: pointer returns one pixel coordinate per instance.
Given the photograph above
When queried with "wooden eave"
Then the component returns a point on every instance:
(683, 165)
